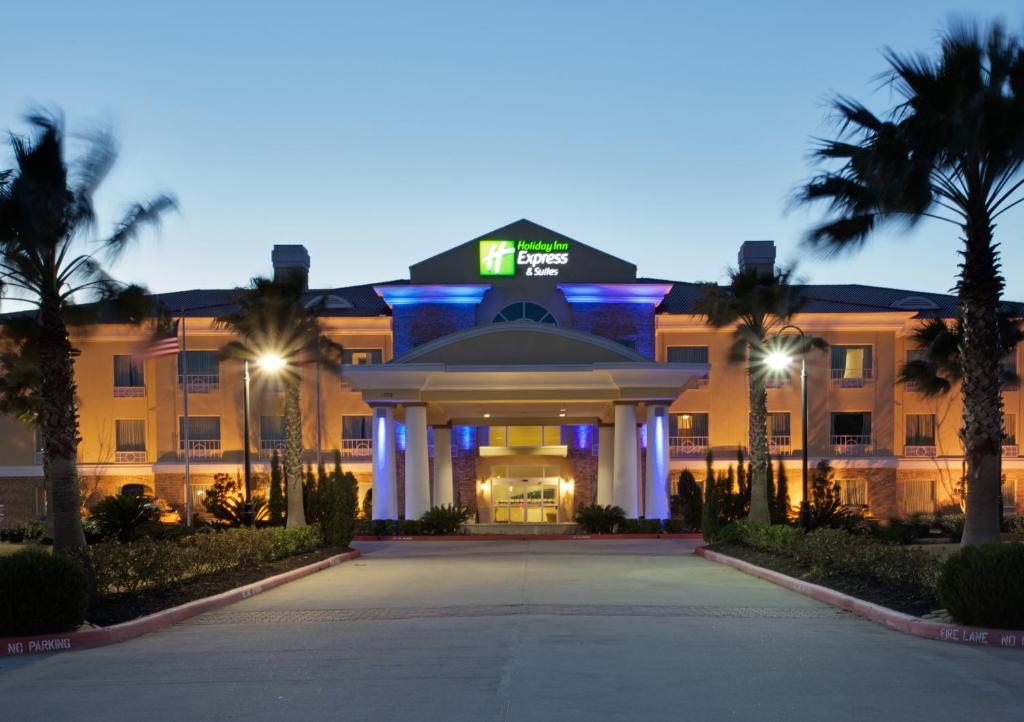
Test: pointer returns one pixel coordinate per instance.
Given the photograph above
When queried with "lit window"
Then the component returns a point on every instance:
(362, 356)
(524, 311)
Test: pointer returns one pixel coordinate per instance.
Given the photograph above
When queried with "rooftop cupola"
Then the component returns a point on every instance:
(291, 261)
(758, 256)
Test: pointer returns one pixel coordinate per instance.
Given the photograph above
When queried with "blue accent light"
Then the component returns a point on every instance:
(643, 436)
(414, 295)
(400, 435)
(464, 437)
(584, 436)
(648, 293)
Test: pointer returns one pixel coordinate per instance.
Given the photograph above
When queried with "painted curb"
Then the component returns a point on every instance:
(69, 641)
(523, 537)
(890, 618)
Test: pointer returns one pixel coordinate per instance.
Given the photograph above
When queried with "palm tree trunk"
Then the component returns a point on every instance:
(760, 512)
(58, 423)
(980, 288)
(293, 454)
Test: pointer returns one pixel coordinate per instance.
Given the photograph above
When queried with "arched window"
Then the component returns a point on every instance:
(525, 311)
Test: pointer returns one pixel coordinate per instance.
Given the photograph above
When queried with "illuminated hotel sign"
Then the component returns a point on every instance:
(538, 258)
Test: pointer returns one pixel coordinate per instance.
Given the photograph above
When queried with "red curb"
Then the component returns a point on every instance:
(523, 537)
(906, 623)
(16, 646)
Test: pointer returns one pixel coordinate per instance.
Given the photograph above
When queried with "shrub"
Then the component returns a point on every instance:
(337, 496)
(984, 585)
(779, 504)
(826, 506)
(835, 552)
(226, 502)
(41, 593)
(276, 505)
(710, 522)
(597, 519)
(125, 517)
(690, 504)
(775, 537)
(445, 519)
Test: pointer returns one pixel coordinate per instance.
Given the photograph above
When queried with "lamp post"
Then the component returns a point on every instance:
(779, 360)
(269, 362)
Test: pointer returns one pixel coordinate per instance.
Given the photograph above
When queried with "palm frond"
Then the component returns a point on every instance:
(138, 217)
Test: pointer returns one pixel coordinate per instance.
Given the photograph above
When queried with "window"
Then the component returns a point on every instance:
(128, 377)
(1010, 447)
(1009, 368)
(203, 436)
(1009, 494)
(914, 355)
(356, 436)
(688, 434)
(851, 433)
(919, 496)
(851, 366)
(690, 425)
(688, 355)
(853, 492)
(271, 435)
(920, 433)
(524, 311)
(779, 438)
(203, 371)
(362, 356)
(130, 439)
(525, 436)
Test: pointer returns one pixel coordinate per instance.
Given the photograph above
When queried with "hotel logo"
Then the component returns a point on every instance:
(497, 258)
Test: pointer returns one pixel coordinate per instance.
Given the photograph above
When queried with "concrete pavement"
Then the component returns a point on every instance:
(566, 630)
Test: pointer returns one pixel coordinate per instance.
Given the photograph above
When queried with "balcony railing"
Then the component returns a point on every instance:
(201, 383)
(851, 378)
(851, 445)
(1011, 450)
(129, 392)
(130, 457)
(269, 446)
(681, 446)
(780, 445)
(357, 448)
(919, 450)
(200, 449)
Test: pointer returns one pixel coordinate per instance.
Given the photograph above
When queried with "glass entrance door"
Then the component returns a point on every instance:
(525, 501)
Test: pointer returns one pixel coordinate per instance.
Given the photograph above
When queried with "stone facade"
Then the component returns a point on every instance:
(415, 325)
(628, 323)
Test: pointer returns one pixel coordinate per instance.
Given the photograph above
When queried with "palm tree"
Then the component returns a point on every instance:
(755, 303)
(48, 259)
(270, 317)
(951, 150)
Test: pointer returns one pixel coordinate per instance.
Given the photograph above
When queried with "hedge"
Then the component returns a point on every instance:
(41, 593)
(984, 585)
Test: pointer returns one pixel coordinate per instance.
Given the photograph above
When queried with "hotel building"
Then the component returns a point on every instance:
(522, 374)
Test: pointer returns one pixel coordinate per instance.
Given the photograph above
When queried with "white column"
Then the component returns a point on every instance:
(605, 470)
(417, 469)
(624, 461)
(444, 491)
(656, 487)
(385, 493)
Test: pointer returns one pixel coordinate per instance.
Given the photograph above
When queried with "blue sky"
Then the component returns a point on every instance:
(378, 134)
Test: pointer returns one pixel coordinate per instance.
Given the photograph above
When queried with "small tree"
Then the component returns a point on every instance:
(310, 496)
(338, 494)
(825, 499)
(710, 522)
(781, 504)
(276, 505)
(691, 506)
(368, 504)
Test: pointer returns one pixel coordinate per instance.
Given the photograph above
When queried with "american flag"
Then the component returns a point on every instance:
(164, 342)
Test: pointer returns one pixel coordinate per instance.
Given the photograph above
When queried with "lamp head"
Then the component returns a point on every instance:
(271, 362)
(777, 360)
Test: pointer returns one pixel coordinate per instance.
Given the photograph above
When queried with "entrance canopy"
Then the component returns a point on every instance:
(521, 374)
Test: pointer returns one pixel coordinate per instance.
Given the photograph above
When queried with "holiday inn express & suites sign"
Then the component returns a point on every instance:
(538, 258)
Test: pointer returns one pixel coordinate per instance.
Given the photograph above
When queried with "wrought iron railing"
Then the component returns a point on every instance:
(201, 383)
(851, 444)
(680, 446)
(919, 450)
(1011, 450)
(845, 378)
(357, 448)
(269, 446)
(780, 445)
(129, 392)
(200, 449)
(130, 457)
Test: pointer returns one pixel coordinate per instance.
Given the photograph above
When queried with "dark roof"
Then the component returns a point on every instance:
(841, 298)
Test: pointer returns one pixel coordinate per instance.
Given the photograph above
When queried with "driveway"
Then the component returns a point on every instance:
(560, 630)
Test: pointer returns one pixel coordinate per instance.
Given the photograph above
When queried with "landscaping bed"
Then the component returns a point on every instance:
(913, 602)
(121, 607)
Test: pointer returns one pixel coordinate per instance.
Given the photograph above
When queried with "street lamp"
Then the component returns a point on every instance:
(779, 360)
(269, 362)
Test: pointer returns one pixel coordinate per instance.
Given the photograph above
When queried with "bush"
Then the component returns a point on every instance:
(984, 585)
(710, 522)
(125, 517)
(338, 495)
(226, 502)
(689, 503)
(597, 519)
(41, 594)
(776, 537)
(446, 519)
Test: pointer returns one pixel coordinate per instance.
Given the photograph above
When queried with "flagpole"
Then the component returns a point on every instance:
(184, 430)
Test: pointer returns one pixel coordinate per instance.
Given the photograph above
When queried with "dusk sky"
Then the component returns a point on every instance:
(378, 134)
